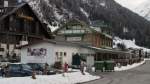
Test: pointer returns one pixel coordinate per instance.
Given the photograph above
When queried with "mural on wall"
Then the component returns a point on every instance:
(37, 52)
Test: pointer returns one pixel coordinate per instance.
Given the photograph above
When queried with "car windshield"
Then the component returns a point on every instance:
(35, 66)
(24, 66)
(41, 65)
(14, 67)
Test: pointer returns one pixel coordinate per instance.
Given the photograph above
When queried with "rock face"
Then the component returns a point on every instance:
(56, 12)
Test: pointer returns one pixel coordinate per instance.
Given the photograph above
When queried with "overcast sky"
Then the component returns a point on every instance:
(131, 4)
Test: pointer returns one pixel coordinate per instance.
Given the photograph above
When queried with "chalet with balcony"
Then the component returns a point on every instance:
(77, 31)
(19, 25)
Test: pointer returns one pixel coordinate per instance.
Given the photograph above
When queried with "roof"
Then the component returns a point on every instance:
(71, 22)
(11, 10)
(108, 50)
(53, 42)
(78, 22)
(101, 50)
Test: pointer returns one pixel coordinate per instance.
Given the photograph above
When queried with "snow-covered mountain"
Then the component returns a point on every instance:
(144, 9)
(57, 12)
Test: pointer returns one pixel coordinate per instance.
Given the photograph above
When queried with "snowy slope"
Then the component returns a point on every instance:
(144, 9)
(128, 43)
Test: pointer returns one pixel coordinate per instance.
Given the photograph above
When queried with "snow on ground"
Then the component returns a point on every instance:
(70, 78)
(129, 66)
(128, 43)
(147, 59)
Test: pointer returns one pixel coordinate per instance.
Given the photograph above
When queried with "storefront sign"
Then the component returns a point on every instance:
(74, 38)
(37, 52)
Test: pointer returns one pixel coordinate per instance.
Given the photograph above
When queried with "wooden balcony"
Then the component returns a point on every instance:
(5, 10)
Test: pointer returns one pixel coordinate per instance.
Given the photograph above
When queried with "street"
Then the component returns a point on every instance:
(139, 75)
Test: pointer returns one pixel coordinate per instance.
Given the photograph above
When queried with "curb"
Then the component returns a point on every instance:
(101, 77)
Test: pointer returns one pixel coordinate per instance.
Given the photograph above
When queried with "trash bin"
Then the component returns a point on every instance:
(110, 65)
(99, 65)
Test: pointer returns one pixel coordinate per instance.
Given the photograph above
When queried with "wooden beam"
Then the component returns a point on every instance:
(26, 17)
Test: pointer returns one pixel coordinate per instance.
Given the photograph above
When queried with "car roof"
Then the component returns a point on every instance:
(17, 63)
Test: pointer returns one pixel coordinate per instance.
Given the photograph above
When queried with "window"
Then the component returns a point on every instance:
(15, 67)
(56, 53)
(65, 54)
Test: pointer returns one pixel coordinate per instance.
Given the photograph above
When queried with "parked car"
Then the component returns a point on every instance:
(39, 68)
(19, 70)
(0, 72)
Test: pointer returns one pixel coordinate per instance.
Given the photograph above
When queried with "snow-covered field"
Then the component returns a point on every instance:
(128, 43)
(70, 78)
(129, 66)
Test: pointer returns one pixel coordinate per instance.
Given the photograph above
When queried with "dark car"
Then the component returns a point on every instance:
(19, 70)
(0, 72)
(39, 68)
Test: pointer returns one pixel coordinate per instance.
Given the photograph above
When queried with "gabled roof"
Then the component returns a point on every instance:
(70, 23)
(11, 10)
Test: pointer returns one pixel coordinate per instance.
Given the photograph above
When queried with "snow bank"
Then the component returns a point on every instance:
(129, 66)
(70, 78)
(147, 59)
(128, 43)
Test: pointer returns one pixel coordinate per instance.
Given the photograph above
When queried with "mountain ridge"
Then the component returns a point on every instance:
(56, 12)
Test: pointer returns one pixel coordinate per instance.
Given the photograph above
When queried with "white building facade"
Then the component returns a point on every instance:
(51, 52)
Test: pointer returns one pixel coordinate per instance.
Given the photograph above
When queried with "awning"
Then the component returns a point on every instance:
(101, 50)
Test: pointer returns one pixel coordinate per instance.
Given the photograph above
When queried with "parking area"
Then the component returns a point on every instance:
(139, 75)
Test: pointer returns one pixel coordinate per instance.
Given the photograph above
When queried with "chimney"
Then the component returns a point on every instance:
(5, 3)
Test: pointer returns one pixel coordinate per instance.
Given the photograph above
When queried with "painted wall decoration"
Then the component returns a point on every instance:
(37, 52)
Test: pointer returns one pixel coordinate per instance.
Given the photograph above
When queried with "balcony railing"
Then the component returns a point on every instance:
(5, 10)
(72, 32)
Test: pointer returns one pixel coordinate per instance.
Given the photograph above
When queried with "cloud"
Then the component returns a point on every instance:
(131, 4)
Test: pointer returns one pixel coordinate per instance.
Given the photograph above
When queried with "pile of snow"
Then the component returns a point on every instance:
(70, 78)
(128, 43)
(129, 66)
(147, 59)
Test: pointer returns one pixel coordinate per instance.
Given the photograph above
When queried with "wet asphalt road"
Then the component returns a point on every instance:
(139, 75)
